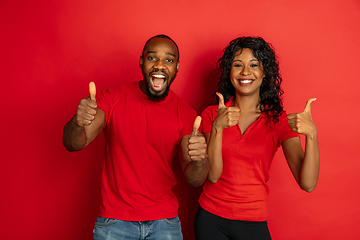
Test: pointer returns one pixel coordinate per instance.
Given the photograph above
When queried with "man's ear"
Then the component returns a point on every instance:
(177, 66)
(141, 62)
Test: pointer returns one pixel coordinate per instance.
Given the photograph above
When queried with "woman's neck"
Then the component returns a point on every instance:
(247, 103)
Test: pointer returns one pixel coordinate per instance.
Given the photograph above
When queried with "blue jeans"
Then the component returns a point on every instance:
(113, 229)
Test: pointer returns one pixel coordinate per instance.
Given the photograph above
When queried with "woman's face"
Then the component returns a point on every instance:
(246, 73)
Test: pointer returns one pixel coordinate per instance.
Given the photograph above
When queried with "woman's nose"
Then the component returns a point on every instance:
(245, 70)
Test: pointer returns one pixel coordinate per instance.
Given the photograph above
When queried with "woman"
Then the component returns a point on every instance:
(243, 133)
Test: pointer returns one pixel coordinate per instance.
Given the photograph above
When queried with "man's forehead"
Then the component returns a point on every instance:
(161, 44)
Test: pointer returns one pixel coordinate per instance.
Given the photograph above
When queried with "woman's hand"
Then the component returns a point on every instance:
(302, 123)
(226, 116)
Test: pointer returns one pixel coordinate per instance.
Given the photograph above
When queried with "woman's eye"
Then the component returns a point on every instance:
(254, 65)
(237, 65)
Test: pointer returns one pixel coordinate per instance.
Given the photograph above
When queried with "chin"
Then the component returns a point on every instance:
(157, 96)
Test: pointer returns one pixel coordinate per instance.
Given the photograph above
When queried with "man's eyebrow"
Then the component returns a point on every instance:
(171, 54)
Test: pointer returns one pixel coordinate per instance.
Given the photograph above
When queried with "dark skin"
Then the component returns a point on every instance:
(246, 76)
(159, 65)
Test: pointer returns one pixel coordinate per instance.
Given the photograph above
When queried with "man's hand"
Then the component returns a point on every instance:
(226, 116)
(302, 123)
(197, 143)
(86, 109)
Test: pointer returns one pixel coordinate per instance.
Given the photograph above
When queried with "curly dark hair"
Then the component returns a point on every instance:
(270, 89)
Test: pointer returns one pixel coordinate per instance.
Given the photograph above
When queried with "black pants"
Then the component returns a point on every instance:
(211, 227)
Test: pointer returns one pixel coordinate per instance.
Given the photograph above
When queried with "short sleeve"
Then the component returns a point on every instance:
(284, 131)
(188, 117)
(208, 116)
(105, 101)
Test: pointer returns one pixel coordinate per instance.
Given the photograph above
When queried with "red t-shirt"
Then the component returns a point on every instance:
(141, 140)
(241, 191)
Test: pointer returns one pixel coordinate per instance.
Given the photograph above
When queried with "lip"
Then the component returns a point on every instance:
(158, 80)
(245, 81)
(158, 74)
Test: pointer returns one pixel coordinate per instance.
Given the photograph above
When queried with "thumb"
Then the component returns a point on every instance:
(196, 126)
(92, 91)
(308, 105)
(221, 100)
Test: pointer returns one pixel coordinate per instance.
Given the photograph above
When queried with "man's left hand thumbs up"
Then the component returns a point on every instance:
(196, 126)
(302, 123)
(197, 143)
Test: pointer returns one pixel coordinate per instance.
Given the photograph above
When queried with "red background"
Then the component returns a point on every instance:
(51, 50)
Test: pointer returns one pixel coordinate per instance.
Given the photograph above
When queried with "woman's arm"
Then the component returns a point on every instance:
(226, 117)
(304, 166)
(214, 140)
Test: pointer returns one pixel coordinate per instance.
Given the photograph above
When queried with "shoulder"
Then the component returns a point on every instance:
(181, 104)
(282, 118)
(114, 93)
(210, 111)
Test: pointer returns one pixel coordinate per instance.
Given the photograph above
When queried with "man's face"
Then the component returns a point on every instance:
(159, 66)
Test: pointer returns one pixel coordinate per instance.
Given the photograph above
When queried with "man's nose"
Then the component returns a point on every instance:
(159, 64)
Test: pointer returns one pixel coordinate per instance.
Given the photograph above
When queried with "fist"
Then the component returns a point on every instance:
(197, 143)
(302, 123)
(226, 116)
(86, 110)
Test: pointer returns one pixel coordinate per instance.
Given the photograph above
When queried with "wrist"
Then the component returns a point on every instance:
(312, 135)
(216, 128)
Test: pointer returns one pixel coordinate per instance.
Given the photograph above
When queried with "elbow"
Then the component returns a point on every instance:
(213, 179)
(70, 147)
(309, 188)
(196, 183)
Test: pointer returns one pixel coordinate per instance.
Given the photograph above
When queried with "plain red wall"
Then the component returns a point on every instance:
(51, 50)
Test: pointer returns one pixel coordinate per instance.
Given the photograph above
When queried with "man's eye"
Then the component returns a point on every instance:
(169, 60)
(151, 58)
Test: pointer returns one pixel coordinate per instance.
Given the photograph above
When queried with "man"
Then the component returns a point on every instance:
(145, 124)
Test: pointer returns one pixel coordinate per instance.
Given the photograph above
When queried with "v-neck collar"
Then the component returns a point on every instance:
(252, 125)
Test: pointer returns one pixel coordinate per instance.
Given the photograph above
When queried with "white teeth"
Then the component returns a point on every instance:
(158, 76)
(246, 81)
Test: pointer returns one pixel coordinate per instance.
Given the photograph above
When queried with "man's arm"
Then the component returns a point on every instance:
(193, 157)
(86, 124)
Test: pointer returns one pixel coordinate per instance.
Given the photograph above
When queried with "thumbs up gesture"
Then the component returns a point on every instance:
(86, 109)
(197, 143)
(302, 123)
(226, 116)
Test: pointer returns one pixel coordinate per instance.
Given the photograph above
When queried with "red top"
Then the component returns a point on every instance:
(141, 140)
(241, 191)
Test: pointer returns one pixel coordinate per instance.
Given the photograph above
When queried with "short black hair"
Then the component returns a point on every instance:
(161, 36)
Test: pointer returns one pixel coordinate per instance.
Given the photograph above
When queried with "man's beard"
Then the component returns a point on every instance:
(157, 97)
